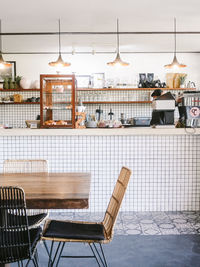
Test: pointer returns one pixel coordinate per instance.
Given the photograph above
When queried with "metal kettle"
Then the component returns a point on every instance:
(191, 85)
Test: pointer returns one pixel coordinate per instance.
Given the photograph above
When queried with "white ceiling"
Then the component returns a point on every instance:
(95, 15)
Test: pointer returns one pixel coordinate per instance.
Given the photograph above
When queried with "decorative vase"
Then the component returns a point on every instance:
(6, 84)
(17, 80)
(15, 85)
(25, 83)
(35, 84)
(10, 83)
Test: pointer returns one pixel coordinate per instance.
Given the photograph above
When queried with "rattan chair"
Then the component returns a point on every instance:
(35, 217)
(17, 241)
(25, 166)
(87, 232)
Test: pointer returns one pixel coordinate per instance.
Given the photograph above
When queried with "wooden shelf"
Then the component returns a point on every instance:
(19, 90)
(133, 89)
(84, 102)
(102, 89)
(107, 102)
(57, 126)
(62, 102)
(21, 103)
(117, 102)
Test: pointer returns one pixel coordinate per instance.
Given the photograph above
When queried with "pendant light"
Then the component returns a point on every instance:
(59, 62)
(175, 63)
(3, 64)
(118, 61)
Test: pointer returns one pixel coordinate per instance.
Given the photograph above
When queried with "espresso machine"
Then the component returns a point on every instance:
(163, 110)
(189, 109)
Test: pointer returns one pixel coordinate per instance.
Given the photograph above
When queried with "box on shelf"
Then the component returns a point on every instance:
(164, 102)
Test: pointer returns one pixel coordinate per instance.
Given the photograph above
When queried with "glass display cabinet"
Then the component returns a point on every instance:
(57, 101)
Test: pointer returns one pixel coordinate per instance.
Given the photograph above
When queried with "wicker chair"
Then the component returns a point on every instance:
(87, 232)
(25, 166)
(35, 217)
(17, 241)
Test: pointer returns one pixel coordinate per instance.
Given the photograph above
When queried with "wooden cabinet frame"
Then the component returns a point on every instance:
(49, 98)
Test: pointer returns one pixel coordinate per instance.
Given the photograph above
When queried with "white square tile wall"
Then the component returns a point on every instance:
(15, 115)
(166, 169)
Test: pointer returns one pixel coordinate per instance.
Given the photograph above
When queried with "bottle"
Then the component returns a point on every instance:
(5, 84)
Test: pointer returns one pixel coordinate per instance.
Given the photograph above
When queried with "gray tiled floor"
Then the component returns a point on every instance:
(143, 223)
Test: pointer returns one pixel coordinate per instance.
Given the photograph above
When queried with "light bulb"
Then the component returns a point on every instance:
(2, 66)
(117, 65)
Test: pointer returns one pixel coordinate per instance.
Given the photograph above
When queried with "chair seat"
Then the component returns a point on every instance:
(33, 220)
(73, 230)
(36, 219)
(23, 251)
(35, 234)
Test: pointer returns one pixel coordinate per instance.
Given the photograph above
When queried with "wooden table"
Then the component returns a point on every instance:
(52, 190)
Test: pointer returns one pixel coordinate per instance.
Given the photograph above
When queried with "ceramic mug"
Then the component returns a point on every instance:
(81, 109)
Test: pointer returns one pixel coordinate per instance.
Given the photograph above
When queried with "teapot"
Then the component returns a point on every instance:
(191, 84)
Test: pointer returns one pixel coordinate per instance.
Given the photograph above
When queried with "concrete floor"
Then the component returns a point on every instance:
(153, 239)
(136, 251)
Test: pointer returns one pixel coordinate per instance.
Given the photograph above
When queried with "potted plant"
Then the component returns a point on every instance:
(17, 81)
(10, 82)
(6, 82)
(182, 80)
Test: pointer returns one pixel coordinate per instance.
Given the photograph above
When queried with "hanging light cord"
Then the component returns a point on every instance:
(59, 37)
(117, 35)
(175, 36)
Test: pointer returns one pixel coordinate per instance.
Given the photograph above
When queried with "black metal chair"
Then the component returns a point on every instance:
(92, 233)
(17, 241)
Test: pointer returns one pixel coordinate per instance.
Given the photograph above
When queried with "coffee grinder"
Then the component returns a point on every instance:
(163, 110)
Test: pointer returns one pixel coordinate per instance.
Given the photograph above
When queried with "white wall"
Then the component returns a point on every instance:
(31, 66)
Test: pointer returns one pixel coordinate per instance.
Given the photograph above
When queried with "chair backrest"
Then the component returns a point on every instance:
(25, 166)
(115, 202)
(14, 233)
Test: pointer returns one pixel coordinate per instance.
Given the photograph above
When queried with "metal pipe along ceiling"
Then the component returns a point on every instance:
(99, 33)
(95, 33)
(99, 52)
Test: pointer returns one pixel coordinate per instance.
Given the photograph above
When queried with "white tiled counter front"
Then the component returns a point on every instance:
(165, 162)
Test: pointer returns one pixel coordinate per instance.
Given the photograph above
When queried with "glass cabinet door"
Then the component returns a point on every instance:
(57, 101)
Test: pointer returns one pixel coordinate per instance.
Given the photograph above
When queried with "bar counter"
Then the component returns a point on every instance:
(98, 131)
(165, 162)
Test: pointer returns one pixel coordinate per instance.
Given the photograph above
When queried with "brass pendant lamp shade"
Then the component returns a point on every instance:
(175, 63)
(118, 61)
(59, 62)
(3, 64)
